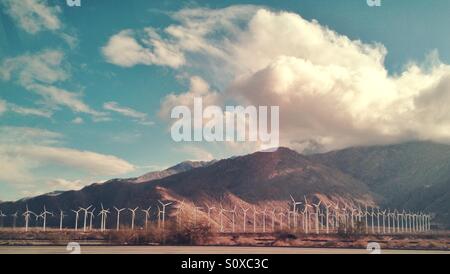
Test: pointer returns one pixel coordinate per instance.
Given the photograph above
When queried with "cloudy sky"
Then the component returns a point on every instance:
(86, 92)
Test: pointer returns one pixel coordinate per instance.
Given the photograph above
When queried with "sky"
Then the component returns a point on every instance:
(86, 92)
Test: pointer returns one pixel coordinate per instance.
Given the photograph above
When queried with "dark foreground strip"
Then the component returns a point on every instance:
(130, 264)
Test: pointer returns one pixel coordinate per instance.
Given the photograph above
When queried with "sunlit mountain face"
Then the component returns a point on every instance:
(339, 102)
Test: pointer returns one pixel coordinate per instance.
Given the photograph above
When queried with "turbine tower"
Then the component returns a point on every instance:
(164, 212)
(27, 214)
(104, 213)
(85, 216)
(61, 217)
(44, 217)
(77, 215)
(133, 216)
(147, 216)
(244, 210)
(118, 217)
(294, 204)
(210, 208)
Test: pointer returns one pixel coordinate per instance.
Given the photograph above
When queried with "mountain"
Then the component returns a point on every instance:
(181, 167)
(259, 179)
(413, 175)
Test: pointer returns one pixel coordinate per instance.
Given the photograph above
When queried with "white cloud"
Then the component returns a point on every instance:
(125, 50)
(78, 121)
(40, 73)
(63, 184)
(6, 106)
(198, 87)
(33, 15)
(22, 150)
(139, 117)
(333, 92)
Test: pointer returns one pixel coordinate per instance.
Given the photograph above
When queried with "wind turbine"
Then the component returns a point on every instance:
(317, 206)
(294, 203)
(14, 215)
(327, 206)
(2, 215)
(61, 217)
(85, 216)
(133, 216)
(233, 218)
(222, 210)
(164, 212)
(27, 214)
(118, 217)
(44, 217)
(91, 218)
(383, 214)
(264, 212)
(104, 213)
(244, 210)
(77, 215)
(147, 215)
(306, 215)
(254, 219)
(281, 214)
(210, 208)
(273, 218)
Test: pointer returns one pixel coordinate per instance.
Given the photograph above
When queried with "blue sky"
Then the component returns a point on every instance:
(73, 111)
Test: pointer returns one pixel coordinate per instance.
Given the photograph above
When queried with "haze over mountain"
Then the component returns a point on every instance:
(412, 176)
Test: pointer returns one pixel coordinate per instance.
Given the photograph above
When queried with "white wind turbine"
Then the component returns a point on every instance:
(254, 219)
(281, 214)
(273, 218)
(306, 215)
(244, 210)
(210, 209)
(317, 206)
(104, 213)
(294, 204)
(164, 212)
(2, 216)
(147, 215)
(77, 215)
(118, 211)
(264, 213)
(383, 217)
(44, 217)
(221, 211)
(14, 215)
(91, 213)
(85, 210)
(27, 215)
(233, 218)
(61, 217)
(327, 207)
(133, 216)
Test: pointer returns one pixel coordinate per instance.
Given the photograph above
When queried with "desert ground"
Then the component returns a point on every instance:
(199, 250)
(206, 242)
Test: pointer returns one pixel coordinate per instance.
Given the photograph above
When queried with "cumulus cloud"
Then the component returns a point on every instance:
(39, 73)
(125, 50)
(333, 92)
(33, 16)
(139, 117)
